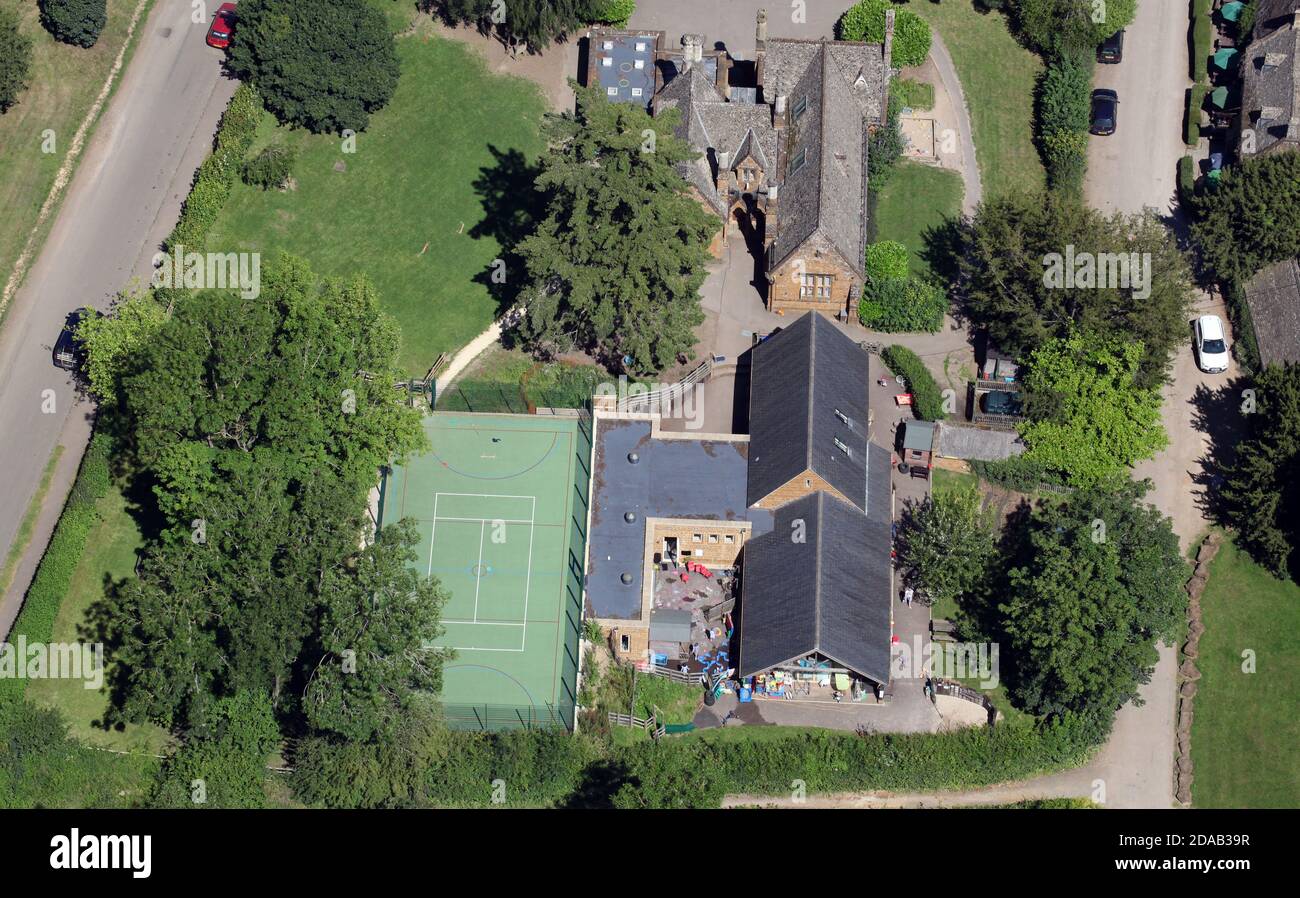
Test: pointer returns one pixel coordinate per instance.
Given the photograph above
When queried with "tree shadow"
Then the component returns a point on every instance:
(1219, 414)
(512, 205)
(601, 781)
(102, 626)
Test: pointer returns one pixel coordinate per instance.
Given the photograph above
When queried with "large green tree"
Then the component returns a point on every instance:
(1252, 218)
(74, 21)
(375, 658)
(323, 64)
(616, 264)
(222, 764)
(1095, 582)
(1036, 266)
(865, 21)
(15, 59)
(1261, 492)
(945, 545)
(1086, 417)
(1070, 28)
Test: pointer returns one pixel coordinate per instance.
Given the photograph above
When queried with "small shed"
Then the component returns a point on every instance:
(918, 443)
(670, 625)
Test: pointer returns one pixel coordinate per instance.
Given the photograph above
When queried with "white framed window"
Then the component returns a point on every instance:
(640, 64)
(713, 539)
(636, 91)
(640, 46)
(729, 538)
(607, 62)
(625, 643)
(697, 538)
(608, 45)
(816, 286)
(611, 91)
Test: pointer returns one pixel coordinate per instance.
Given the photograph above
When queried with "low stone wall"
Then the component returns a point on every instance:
(1188, 675)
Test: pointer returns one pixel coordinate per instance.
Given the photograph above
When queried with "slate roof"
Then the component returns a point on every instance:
(1274, 299)
(829, 594)
(713, 125)
(1270, 88)
(960, 441)
(823, 187)
(1272, 14)
(801, 377)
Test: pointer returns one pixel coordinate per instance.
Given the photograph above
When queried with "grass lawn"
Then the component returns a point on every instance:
(62, 86)
(1245, 727)
(998, 77)
(915, 202)
(946, 481)
(453, 139)
(507, 380)
(110, 553)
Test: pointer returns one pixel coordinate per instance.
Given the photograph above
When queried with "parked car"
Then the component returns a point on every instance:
(1211, 345)
(1112, 48)
(222, 25)
(1105, 111)
(1000, 402)
(68, 352)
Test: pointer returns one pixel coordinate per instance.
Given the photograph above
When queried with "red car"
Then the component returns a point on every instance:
(222, 23)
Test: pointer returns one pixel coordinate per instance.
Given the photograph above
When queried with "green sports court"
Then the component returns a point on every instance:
(501, 506)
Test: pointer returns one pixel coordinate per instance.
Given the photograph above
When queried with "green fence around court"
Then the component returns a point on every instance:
(506, 717)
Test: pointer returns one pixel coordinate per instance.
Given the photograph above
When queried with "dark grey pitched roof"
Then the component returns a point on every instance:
(1274, 299)
(829, 594)
(1270, 89)
(803, 380)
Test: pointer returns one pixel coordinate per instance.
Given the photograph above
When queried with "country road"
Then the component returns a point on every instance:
(122, 202)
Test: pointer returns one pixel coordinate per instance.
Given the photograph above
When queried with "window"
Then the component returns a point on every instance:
(816, 286)
(640, 63)
(843, 417)
(625, 643)
(640, 46)
(697, 538)
(840, 445)
(797, 162)
(800, 107)
(636, 91)
(713, 539)
(729, 539)
(611, 91)
(608, 45)
(607, 62)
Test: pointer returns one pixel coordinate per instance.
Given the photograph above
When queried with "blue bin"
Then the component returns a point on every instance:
(746, 694)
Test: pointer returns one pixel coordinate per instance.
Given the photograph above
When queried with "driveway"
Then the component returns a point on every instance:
(122, 202)
(1137, 165)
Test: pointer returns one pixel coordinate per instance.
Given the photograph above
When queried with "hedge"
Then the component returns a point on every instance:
(1187, 178)
(614, 13)
(865, 21)
(902, 305)
(1192, 124)
(217, 175)
(1245, 345)
(886, 259)
(698, 771)
(1061, 121)
(927, 400)
(54, 574)
(1020, 473)
(1202, 40)
(77, 22)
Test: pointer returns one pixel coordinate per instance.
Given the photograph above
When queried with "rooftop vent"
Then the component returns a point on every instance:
(626, 578)
(633, 458)
(629, 516)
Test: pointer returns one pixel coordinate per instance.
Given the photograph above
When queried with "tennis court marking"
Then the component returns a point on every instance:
(478, 579)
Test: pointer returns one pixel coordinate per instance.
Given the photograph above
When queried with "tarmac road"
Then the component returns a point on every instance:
(122, 202)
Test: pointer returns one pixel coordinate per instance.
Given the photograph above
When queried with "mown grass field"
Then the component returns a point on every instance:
(63, 85)
(419, 207)
(998, 77)
(915, 203)
(1245, 726)
(110, 556)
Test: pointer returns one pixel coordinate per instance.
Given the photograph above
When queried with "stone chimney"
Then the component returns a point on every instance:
(760, 30)
(692, 49)
(723, 76)
(887, 51)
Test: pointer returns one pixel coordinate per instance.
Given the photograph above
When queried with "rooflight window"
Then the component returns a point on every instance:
(611, 91)
(607, 62)
(640, 46)
(609, 45)
(800, 107)
(798, 161)
(843, 417)
(640, 63)
(843, 447)
(636, 91)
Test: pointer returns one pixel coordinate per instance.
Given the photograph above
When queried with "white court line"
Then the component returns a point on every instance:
(478, 580)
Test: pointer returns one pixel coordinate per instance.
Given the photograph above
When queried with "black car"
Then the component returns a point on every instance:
(68, 352)
(1105, 111)
(1112, 48)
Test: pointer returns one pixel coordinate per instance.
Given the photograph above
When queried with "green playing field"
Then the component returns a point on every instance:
(501, 503)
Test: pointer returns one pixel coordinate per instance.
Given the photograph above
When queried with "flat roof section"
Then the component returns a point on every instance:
(625, 65)
(672, 478)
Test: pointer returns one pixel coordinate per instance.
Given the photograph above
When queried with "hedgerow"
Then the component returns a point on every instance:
(216, 176)
(927, 400)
